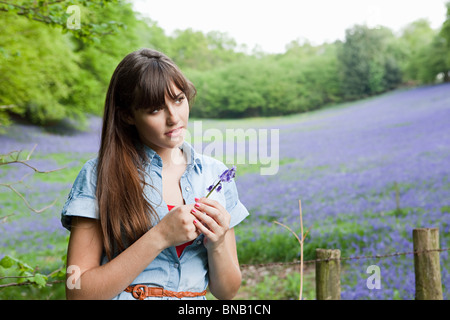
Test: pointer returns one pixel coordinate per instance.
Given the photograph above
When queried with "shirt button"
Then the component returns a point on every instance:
(188, 188)
(176, 265)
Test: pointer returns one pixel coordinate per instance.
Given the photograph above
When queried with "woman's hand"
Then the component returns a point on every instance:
(178, 227)
(213, 220)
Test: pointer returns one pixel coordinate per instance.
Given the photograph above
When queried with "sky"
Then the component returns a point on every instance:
(271, 25)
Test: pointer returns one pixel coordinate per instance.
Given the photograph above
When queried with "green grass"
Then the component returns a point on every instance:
(276, 244)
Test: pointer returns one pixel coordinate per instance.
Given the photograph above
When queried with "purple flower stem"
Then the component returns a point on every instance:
(217, 184)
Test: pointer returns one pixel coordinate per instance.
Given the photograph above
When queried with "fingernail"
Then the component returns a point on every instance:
(197, 205)
(193, 211)
(197, 199)
(195, 221)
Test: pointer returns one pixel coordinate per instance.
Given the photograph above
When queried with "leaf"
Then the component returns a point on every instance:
(25, 276)
(24, 266)
(61, 274)
(40, 279)
(7, 262)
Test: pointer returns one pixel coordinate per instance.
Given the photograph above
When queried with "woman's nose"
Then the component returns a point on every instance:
(172, 116)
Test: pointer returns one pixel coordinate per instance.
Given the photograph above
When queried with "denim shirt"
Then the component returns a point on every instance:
(189, 272)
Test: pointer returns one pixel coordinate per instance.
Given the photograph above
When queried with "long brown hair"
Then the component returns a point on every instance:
(141, 80)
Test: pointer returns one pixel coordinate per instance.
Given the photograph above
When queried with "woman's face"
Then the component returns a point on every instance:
(163, 128)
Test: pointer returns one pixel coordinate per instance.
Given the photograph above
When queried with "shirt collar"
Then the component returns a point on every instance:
(193, 159)
(152, 156)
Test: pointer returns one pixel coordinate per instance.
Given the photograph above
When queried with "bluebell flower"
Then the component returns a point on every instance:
(226, 176)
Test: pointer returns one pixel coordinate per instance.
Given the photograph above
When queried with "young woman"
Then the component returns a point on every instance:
(140, 225)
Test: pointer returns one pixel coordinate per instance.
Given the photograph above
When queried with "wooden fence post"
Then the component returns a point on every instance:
(427, 265)
(328, 275)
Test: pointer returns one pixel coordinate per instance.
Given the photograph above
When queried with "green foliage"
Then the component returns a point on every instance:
(414, 43)
(22, 273)
(48, 75)
(427, 51)
(58, 13)
(268, 86)
(37, 69)
(97, 60)
(437, 62)
(199, 51)
(367, 66)
(272, 287)
(445, 36)
(267, 244)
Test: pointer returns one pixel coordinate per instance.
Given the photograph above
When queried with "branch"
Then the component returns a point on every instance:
(17, 284)
(9, 186)
(301, 245)
(293, 232)
(46, 13)
(16, 160)
(4, 218)
(16, 277)
(14, 155)
(30, 166)
(8, 106)
(32, 281)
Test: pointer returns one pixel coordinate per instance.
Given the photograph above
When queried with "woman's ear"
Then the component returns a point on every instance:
(128, 118)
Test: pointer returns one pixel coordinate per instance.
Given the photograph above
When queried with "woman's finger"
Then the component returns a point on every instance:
(206, 220)
(201, 227)
(215, 212)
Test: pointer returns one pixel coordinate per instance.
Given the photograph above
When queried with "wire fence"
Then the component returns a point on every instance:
(327, 277)
(427, 269)
(377, 256)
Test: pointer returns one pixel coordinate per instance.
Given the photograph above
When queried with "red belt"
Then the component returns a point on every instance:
(141, 292)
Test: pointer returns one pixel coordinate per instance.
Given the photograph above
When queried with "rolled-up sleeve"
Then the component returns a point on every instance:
(82, 201)
(234, 206)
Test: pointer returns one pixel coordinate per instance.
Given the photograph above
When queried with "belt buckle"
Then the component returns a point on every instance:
(156, 292)
(140, 291)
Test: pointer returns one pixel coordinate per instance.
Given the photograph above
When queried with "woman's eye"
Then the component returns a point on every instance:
(180, 100)
(155, 111)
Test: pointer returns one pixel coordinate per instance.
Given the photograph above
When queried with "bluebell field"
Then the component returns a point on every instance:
(344, 163)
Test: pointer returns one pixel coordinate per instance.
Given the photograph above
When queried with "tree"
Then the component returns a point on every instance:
(414, 42)
(195, 50)
(48, 75)
(445, 35)
(365, 68)
(97, 59)
(37, 69)
(435, 61)
(302, 79)
(189, 48)
(60, 13)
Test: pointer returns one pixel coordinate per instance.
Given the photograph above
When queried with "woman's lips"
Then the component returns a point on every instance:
(175, 132)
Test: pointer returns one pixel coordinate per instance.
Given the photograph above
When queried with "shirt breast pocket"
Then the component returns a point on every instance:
(219, 197)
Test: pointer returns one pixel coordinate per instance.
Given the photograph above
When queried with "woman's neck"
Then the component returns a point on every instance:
(172, 157)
